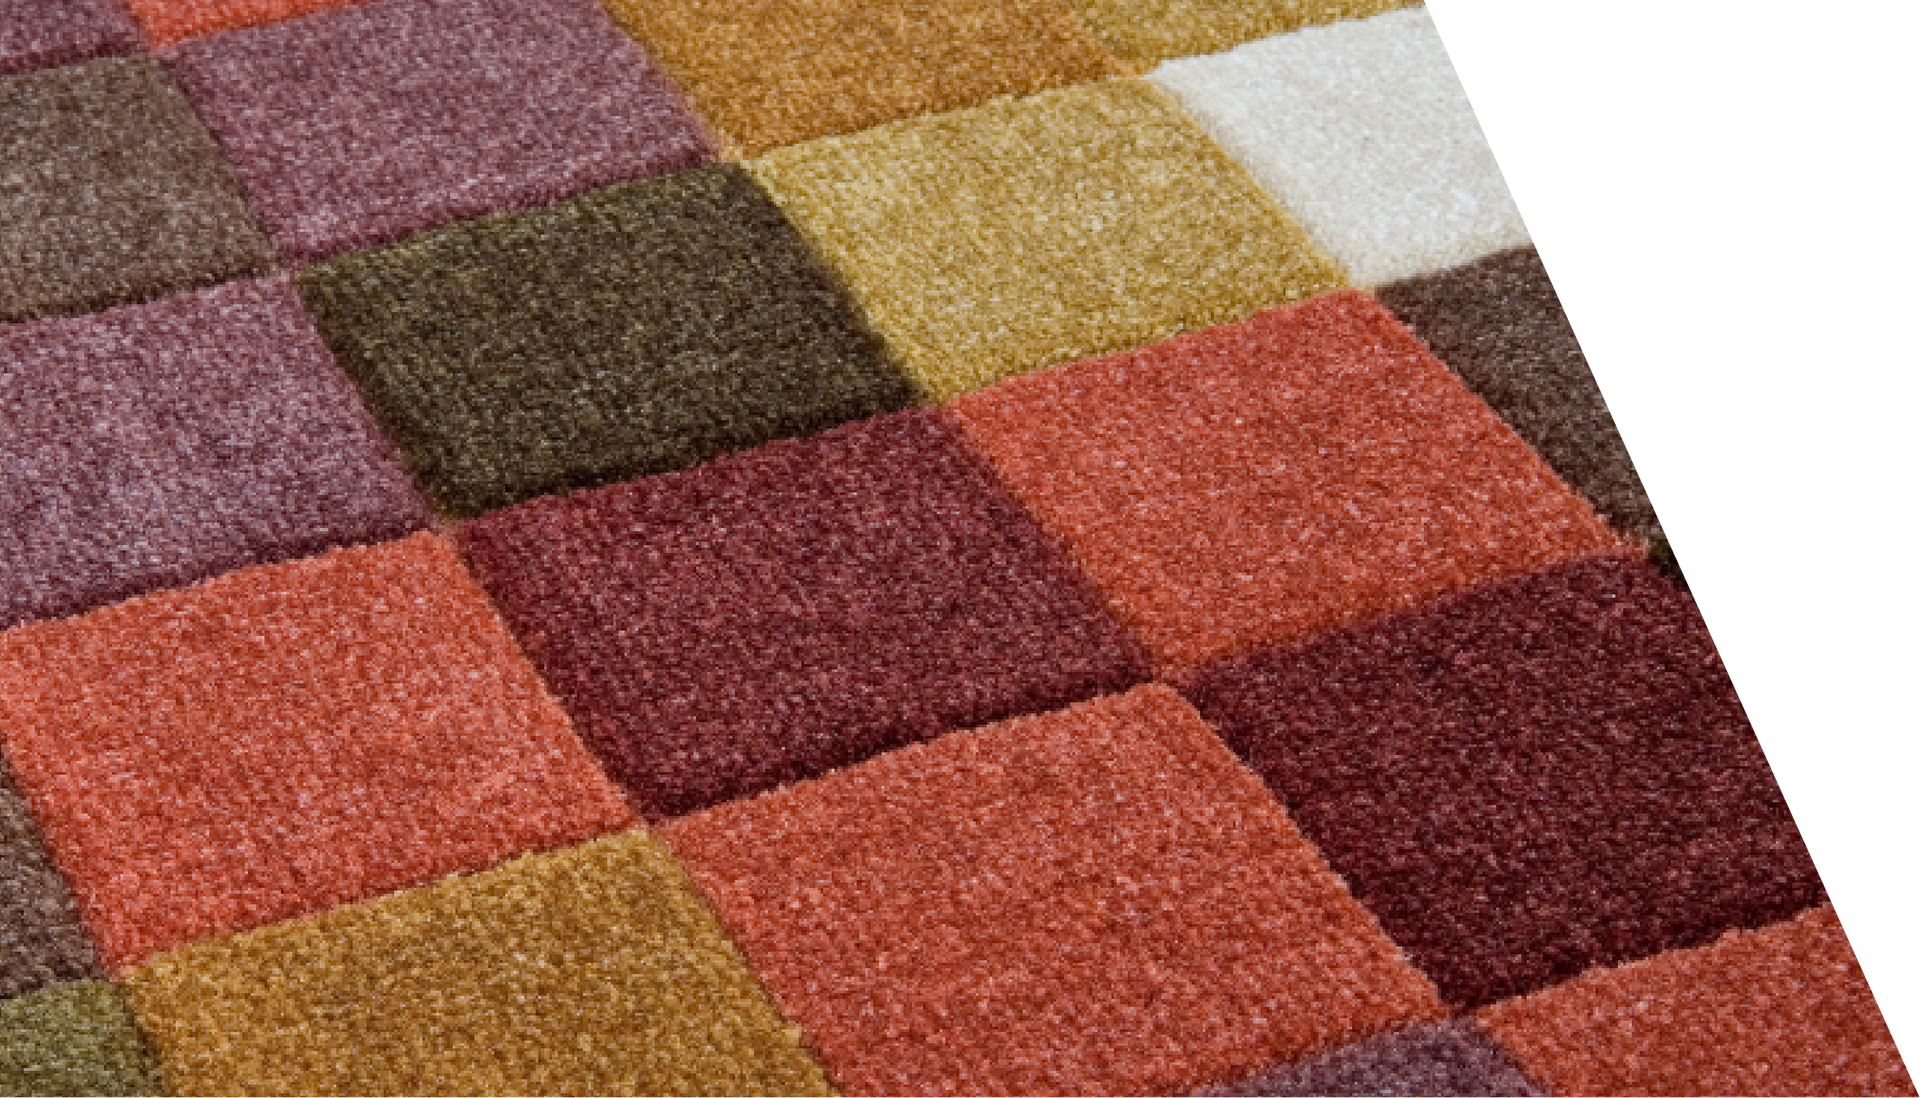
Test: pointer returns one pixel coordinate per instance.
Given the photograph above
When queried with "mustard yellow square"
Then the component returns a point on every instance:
(1024, 233)
(598, 970)
(766, 73)
(1147, 32)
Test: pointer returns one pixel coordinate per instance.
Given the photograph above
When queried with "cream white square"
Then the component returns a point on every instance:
(1363, 132)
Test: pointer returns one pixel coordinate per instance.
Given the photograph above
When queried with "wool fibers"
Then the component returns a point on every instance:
(42, 34)
(75, 1038)
(114, 193)
(1264, 481)
(1780, 1010)
(1097, 900)
(1498, 323)
(767, 73)
(1439, 1058)
(1146, 32)
(153, 446)
(1529, 780)
(642, 328)
(360, 127)
(771, 616)
(596, 970)
(1028, 232)
(1363, 132)
(41, 939)
(285, 739)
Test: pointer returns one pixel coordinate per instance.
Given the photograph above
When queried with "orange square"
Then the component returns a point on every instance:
(1099, 900)
(170, 21)
(1260, 482)
(287, 739)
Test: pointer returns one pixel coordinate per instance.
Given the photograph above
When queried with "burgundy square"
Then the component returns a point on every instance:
(1527, 781)
(768, 617)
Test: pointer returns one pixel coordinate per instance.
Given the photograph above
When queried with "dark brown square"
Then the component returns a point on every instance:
(112, 193)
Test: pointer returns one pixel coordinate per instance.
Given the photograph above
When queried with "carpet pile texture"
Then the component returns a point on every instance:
(152, 446)
(37, 34)
(369, 124)
(841, 546)
(114, 193)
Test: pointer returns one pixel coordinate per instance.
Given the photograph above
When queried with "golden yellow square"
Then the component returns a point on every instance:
(1025, 233)
(1147, 32)
(598, 970)
(766, 73)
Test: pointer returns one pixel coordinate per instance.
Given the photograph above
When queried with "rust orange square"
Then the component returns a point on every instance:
(171, 21)
(286, 739)
(1099, 900)
(1260, 482)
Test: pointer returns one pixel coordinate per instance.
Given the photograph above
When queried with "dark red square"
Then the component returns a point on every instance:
(768, 617)
(1530, 780)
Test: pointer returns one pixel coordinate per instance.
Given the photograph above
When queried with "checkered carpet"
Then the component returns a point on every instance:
(863, 546)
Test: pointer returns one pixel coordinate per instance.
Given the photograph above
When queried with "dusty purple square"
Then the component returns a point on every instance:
(157, 445)
(360, 126)
(39, 34)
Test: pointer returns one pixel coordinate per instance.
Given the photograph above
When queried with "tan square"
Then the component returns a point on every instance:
(768, 73)
(1026, 233)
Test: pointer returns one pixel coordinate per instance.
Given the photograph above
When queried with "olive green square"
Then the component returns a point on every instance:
(639, 329)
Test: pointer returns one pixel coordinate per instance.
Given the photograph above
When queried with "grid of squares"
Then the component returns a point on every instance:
(939, 584)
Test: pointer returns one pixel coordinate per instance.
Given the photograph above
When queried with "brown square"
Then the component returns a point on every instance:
(112, 193)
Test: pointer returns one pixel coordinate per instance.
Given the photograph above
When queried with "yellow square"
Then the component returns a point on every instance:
(767, 73)
(598, 970)
(1024, 233)
(1147, 32)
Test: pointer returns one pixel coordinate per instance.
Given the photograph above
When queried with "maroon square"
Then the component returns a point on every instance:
(1527, 781)
(774, 615)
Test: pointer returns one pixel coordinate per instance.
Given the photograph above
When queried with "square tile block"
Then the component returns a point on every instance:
(114, 193)
(1364, 133)
(1498, 323)
(42, 34)
(76, 1038)
(1453, 1057)
(157, 445)
(1025, 233)
(768, 73)
(168, 22)
(285, 739)
(359, 127)
(1094, 901)
(1783, 1010)
(642, 328)
(1264, 481)
(1530, 780)
(1147, 32)
(769, 617)
(597, 970)
(41, 939)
